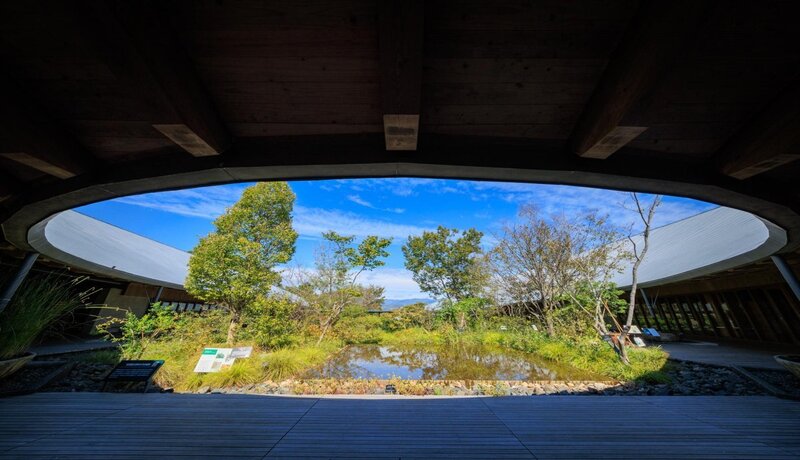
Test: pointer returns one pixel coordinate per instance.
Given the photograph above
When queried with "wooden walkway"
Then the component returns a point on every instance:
(115, 426)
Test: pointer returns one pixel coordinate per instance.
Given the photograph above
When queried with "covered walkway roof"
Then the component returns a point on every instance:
(686, 97)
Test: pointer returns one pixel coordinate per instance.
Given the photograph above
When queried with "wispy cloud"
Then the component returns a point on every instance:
(204, 202)
(562, 199)
(315, 221)
(360, 201)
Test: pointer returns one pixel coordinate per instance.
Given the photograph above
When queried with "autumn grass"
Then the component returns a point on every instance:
(291, 362)
(593, 355)
(585, 353)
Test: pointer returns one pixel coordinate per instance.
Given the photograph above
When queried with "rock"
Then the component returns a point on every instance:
(204, 389)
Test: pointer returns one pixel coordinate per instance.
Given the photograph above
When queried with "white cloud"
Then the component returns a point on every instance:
(358, 200)
(315, 221)
(204, 202)
(397, 282)
(571, 200)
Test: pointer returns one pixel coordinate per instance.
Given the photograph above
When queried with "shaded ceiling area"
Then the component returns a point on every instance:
(691, 98)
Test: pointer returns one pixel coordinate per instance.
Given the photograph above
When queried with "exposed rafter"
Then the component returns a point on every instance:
(142, 51)
(400, 27)
(658, 31)
(28, 137)
(771, 139)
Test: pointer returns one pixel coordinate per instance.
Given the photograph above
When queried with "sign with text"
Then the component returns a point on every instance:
(241, 352)
(217, 359)
(134, 370)
(214, 360)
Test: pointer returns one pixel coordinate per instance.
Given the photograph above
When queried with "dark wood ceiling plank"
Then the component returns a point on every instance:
(400, 30)
(769, 140)
(141, 50)
(9, 185)
(27, 137)
(658, 32)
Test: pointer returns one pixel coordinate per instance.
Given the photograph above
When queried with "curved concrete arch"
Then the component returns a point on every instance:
(707, 243)
(105, 249)
(278, 162)
(716, 240)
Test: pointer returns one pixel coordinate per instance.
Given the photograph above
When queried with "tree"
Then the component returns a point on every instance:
(330, 288)
(236, 264)
(445, 264)
(546, 261)
(371, 297)
(645, 213)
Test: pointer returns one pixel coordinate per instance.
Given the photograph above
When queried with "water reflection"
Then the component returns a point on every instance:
(446, 362)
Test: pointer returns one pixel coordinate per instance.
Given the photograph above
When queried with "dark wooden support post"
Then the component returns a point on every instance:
(401, 28)
(770, 140)
(658, 32)
(13, 284)
(141, 50)
(788, 274)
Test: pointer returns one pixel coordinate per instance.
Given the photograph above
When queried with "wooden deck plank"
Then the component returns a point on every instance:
(122, 426)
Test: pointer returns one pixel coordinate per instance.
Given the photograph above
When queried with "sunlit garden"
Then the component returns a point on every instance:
(530, 309)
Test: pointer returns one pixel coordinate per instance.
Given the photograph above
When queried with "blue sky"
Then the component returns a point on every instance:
(395, 208)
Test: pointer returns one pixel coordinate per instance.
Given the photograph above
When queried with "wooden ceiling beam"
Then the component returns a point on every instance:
(401, 27)
(29, 137)
(769, 140)
(658, 32)
(140, 48)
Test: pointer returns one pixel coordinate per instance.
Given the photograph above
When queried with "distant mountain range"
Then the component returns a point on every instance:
(393, 304)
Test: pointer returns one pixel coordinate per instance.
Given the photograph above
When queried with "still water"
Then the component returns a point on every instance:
(445, 362)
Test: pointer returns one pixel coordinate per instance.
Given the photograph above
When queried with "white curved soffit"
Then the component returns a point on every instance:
(96, 246)
(716, 240)
(707, 243)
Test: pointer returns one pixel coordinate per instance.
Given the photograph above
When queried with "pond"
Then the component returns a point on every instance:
(443, 362)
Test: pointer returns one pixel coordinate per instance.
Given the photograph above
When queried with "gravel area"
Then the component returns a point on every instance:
(28, 379)
(782, 380)
(686, 379)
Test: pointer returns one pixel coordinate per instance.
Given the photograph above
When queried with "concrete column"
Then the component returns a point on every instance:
(158, 294)
(788, 274)
(13, 284)
(647, 302)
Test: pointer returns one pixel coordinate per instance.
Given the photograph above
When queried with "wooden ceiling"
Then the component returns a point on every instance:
(690, 97)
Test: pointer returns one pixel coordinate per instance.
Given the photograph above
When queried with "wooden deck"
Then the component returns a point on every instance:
(93, 425)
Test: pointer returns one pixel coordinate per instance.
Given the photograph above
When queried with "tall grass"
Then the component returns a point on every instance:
(39, 302)
(290, 362)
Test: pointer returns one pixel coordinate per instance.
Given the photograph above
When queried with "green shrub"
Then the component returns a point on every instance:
(39, 302)
(268, 323)
(416, 315)
(592, 354)
(359, 329)
(464, 313)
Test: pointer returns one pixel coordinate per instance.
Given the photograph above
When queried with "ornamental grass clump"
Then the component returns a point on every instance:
(39, 302)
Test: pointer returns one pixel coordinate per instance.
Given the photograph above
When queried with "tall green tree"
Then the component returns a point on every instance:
(332, 286)
(237, 263)
(445, 263)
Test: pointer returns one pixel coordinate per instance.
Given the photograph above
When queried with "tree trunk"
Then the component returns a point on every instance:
(647, 220)
(548, 320)
(233, 326)
(322, 335)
